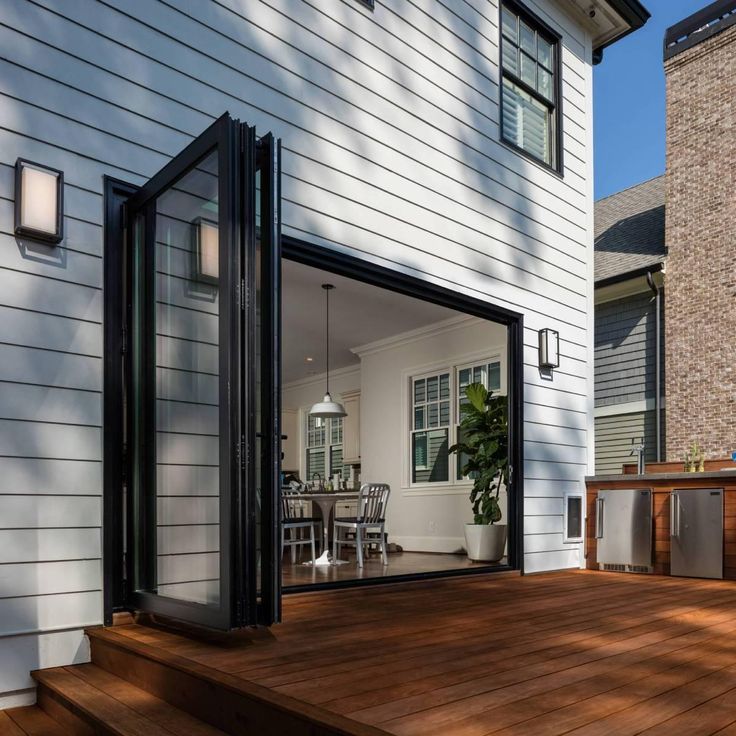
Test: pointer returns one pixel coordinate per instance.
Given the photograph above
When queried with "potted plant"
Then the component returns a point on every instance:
(484, 449)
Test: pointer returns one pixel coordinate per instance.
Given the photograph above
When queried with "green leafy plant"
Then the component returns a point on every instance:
(484, 447)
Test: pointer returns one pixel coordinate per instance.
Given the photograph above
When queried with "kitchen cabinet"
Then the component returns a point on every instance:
(351, 428)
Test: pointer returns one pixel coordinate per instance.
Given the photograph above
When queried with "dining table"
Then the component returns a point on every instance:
(326, 501)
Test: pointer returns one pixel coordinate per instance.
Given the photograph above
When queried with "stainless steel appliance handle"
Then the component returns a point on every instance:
(674, 516)
(599, 518)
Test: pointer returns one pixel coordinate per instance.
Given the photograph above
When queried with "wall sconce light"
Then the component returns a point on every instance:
(549, 348)
(39, 202)
(206, 250)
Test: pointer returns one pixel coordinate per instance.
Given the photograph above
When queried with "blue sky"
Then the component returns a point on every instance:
(628, 100)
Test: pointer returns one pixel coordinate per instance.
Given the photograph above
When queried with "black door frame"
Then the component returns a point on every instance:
(400, 282)
(328, 259)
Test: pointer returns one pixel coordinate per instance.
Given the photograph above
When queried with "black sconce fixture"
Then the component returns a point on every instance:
(205, 250)
(549, 349)
(39, 202)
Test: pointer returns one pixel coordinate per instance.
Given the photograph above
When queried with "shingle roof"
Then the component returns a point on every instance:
(629, 229)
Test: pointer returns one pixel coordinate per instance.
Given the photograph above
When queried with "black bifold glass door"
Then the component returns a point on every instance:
(202, 406)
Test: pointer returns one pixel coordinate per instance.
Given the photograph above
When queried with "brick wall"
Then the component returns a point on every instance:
(700, 324)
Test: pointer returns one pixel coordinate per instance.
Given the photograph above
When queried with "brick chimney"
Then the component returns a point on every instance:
(700, 321)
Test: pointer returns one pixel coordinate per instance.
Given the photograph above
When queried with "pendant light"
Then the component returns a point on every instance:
(327, 408)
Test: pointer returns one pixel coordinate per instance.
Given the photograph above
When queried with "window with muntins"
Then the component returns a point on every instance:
(436, 409)
(529, 85)
(324, 447)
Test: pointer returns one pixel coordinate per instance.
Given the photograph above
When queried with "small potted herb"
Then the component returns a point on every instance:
(484, 450)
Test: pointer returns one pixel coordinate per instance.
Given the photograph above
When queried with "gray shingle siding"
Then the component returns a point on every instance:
(613, 440)
(625, 350)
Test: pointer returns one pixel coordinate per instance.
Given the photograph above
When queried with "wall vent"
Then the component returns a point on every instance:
(614, 567)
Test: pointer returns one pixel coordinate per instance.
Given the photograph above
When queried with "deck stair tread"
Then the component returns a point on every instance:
(233, 703)
(110, 705)
(29, 720)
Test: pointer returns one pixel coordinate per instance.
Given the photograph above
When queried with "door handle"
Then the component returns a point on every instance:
(599, 518)
(674, 516)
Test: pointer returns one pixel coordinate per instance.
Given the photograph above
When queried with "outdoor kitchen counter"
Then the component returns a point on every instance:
(662, 481)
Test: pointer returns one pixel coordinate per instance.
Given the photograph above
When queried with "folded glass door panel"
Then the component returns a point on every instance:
(193, 544)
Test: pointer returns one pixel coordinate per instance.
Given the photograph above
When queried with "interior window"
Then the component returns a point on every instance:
(431, 428)
(489, 374)
(529, 70)
(324, 447)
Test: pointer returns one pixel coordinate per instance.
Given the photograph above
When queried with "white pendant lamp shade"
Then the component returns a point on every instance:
(327, 408)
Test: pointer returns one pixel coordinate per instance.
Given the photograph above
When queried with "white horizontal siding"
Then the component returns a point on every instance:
(390, 128)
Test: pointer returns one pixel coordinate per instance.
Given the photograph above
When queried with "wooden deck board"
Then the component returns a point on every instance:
(574, 652)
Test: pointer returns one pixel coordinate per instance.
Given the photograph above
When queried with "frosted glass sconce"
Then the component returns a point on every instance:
(206, 250)
(549, 348)
(39, 202)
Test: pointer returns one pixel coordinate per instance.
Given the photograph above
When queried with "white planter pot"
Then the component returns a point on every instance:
(485, 542)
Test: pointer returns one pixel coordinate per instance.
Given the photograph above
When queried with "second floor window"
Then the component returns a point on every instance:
(529, 85)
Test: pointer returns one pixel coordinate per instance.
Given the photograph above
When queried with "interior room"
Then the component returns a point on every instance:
(398, 368)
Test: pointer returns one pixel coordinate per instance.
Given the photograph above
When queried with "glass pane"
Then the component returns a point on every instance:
(528, 70)
(544, 83)
(432, 415)
(510, 58)
(545, 54)
(419, 418)
(494, 376)
(527, 39)
(464, 379)
(478, 374)
(419, 454)
(508, 25)
(336, 431)
(336, 462)
(419, 392)
(445, 413)
(432, 389)
(187, 411)
(445, 386)
(525, 122)
(315, 463)
(436, 459)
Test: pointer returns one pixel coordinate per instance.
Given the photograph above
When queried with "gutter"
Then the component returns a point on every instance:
(657, 360)
(635, 273)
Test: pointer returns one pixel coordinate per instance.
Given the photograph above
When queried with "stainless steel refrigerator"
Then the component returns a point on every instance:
(624, 530)
(696, 533)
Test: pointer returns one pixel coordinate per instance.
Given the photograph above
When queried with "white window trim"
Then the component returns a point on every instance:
(565, 496)
(451, 487)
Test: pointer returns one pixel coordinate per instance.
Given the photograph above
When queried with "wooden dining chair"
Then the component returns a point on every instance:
(368, 526)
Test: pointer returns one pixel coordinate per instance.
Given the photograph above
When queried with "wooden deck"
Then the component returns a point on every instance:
(566, 653)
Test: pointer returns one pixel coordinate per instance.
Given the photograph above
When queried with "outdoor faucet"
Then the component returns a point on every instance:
(638, 450)
(321, 485)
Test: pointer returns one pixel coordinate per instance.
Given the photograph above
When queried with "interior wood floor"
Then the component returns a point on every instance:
(400, 563)
(566, 653)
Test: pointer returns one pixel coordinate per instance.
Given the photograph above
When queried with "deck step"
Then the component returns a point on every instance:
(29, 720)
(230, 703)
(85, 699)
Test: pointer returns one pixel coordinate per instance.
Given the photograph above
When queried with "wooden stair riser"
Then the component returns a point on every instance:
(228, 708)
(66, 713)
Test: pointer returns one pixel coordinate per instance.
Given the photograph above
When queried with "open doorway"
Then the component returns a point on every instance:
(399, 365)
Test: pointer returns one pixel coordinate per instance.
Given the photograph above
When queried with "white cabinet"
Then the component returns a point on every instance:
(351, 428)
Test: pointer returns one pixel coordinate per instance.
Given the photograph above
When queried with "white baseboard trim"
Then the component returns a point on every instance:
(430, 544)
(17, 698)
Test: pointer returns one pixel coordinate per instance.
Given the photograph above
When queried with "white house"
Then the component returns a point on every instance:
(435, 164)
